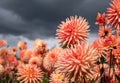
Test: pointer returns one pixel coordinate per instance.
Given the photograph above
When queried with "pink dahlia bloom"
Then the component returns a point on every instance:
(3, 56)
(101, 19)
(58, 77)
(1, 69)
(36, 60)
(116, 53)
(40, 47)
(13, 51)
(22, 45)
(12, 61)
(114, 13)
(105, 31)
(77, 62)
(73, 31)
(110, 41)
(29, 74)
(98, 44)
(25, 55)
(3, 43)
(51, 58)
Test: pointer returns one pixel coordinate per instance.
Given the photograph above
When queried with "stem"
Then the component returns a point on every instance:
(84, 80)
(111, 63)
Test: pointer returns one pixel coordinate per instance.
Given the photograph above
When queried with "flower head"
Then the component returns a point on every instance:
(22, 45)
(105, 31)
(116, 53)
(110, 41)
(3, 56)
(29, 74)
(12, 61)
(77, 62)
(98, 44)
(51, 58)
(1, 69)
(40, 46)
(58, 77)
(101, 19)
(73, 31)
(36, 60)
(3, 43)
(25, 55)
(14, 51)
(113, 13)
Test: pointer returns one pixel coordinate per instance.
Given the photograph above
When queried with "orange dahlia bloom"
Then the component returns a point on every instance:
(25, 55)
(105, 31)
(98, 44)
(22, 45)
(110, 41)
(40, 46)
(3, 56)
(29, 74)
(76, 63)
(113, 13)
(101, 19)
(14, 51)
(58, 77)
(116, 53)
(36, 60)
(51, 58)
(12, 60)
(73, 31)
(3, 43)
(1, 69)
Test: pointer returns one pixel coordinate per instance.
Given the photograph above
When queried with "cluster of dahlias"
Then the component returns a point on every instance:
(74, 61)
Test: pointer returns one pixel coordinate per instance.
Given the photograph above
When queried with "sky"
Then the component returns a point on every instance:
(30, 19)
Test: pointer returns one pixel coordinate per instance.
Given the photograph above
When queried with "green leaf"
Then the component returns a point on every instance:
(45, 80)
(7, 77)
(92, 81)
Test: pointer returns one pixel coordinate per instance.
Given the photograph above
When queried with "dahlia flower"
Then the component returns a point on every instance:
(110, 41)
(36, 60)
(29, 74)
(12, 61)
(1, 69)
(73, 31)
(51, 58)
(58, 77)
(116, 53)
(105, 31)
(3, 55)
(101, 19)
(14, 51)
(113, 13)
(22, 45)
(25, 55)
(3, 43)
(76, 63)
(40, 46)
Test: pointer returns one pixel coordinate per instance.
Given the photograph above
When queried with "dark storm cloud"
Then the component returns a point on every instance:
(41, 17)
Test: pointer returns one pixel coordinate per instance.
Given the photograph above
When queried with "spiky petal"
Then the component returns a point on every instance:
(77, 62)
(51, 58)
(113, 13)
(73, 31)
(58, 77)
(29, 74)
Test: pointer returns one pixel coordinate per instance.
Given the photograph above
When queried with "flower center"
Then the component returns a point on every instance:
(59, 77)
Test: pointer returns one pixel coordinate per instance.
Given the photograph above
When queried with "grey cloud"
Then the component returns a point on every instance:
(40, 18)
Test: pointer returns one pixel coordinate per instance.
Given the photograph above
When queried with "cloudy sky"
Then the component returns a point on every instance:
(31, 19)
